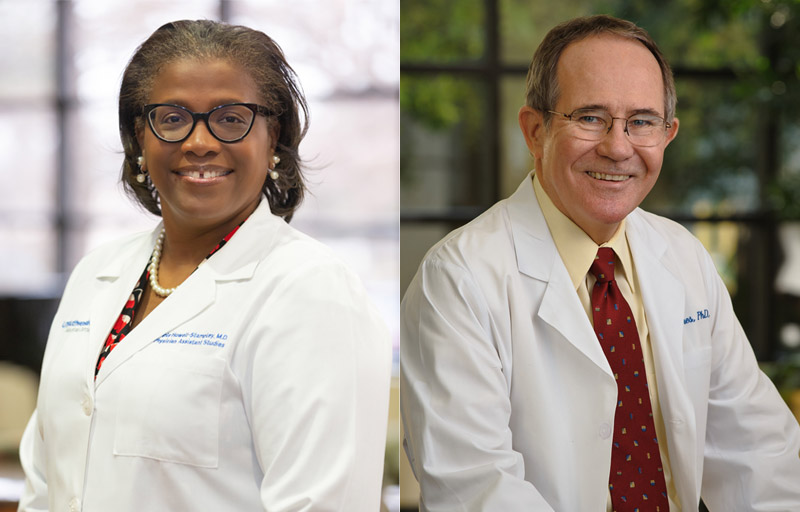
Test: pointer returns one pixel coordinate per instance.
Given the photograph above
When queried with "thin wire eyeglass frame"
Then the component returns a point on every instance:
(148, 111)
(601, 133)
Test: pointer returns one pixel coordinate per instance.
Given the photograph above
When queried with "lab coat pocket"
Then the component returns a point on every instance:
(697, 370)
(170, 412)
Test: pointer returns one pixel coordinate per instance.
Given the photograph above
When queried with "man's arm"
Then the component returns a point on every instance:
(454, 398)
(752, 455)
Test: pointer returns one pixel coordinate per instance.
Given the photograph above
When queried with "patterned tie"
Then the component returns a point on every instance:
(636, 480)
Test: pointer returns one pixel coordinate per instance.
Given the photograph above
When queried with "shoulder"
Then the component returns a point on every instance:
(483, 241)
(666, 227)
(667, 241)
(280, 247)
(303, 267)
(651, 227)
(466, 268)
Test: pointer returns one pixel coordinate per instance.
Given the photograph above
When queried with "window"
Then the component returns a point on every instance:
(60, 141)
(463, 67)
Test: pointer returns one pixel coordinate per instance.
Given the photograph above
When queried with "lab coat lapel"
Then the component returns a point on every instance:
(237, 260)
(187, 301)
(560, 307)
(664, 303)
(113, 285)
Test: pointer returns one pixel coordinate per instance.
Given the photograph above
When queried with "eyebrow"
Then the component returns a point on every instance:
(634, 112)
(184, 104)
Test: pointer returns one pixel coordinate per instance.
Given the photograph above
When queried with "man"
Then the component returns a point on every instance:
(567, 351)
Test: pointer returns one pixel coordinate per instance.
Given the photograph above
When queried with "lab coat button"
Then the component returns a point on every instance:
(87, 406)
(605, 430)
(74, 505)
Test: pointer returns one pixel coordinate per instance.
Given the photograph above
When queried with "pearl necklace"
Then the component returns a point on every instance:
(155, 260)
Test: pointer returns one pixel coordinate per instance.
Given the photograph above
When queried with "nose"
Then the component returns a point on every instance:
(616, 145)
(200, 141)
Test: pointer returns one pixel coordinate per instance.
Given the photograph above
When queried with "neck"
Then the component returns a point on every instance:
(188, 243)
(602, 233)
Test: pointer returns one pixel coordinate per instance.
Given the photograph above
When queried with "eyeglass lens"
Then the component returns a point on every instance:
(227, 122)
(643, 129)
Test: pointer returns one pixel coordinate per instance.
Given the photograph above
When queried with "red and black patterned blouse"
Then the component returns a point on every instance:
(124, 323)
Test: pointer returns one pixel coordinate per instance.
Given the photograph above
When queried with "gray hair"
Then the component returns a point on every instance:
(542, 89)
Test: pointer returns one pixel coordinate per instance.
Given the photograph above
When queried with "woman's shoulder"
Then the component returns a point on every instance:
(293, 258)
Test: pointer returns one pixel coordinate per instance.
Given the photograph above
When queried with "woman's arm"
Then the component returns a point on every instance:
(31, 454)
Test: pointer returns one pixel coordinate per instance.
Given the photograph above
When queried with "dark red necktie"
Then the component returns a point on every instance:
(636, 480)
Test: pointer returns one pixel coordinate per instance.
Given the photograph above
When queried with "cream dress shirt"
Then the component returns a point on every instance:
(578, 251)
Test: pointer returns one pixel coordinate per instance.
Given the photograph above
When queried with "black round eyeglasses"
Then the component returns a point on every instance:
(227, 123)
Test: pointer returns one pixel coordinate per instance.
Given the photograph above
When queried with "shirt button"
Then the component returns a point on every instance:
(74, 505)
(87, 406)
(605, 430)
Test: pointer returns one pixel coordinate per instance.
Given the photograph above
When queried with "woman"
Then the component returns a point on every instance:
(223, 361)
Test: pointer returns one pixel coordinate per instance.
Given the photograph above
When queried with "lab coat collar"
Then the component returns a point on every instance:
(560, 304)
(247, 247)
(237, 260)
(530, 233)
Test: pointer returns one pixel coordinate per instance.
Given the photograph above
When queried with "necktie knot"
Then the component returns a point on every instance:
(603, 266)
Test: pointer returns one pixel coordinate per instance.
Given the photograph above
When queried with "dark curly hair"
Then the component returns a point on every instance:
(253, 51)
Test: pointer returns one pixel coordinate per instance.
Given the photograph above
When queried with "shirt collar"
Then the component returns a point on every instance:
(576, 248)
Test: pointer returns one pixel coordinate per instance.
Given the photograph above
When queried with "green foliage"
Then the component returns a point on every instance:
(439, 102)
(441, 30)
(443, 103)
(726, 125)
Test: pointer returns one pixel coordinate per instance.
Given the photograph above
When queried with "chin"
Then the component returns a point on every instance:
(612, 213)
(198, 209)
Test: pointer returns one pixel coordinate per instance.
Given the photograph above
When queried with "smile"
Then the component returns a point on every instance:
(607, 177)
(203, 173)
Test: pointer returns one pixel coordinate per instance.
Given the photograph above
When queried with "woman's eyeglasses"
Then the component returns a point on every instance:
(227, 123)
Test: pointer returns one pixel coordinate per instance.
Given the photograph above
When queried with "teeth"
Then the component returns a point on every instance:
(204, 174)
(607, 177)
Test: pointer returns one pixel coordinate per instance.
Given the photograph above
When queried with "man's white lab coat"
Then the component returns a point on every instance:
(508, 401)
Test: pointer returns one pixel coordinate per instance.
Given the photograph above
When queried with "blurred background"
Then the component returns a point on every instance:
(732, 176)
(61, 62)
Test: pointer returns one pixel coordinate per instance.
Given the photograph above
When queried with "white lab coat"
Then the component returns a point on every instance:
(508, 401)
(261, 383)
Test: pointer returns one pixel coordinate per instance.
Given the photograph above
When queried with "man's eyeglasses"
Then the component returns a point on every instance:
(594, 124)
(227, 123)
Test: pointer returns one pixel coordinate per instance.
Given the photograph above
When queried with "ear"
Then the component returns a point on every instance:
(140, 140)
(531, 122)
(672, 132)
(139, 131)
(274, 130)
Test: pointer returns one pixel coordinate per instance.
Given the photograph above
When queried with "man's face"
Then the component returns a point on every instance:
(598, 183)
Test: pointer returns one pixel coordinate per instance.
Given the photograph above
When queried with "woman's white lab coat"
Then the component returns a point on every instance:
(261, 383)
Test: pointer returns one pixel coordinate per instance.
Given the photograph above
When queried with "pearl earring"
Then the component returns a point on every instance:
(272, 172)
(140, 178)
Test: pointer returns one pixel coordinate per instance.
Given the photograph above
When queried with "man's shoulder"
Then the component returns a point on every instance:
(660, 224)
(481, 239)
(651, 230)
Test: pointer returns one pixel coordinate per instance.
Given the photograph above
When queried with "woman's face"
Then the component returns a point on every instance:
(232, 173)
